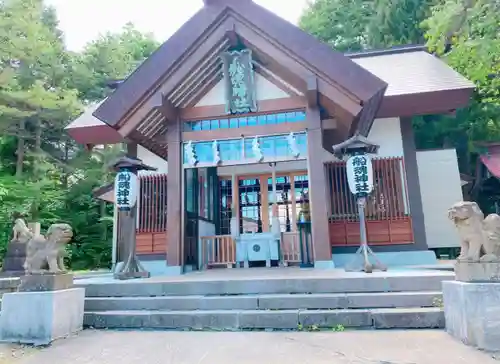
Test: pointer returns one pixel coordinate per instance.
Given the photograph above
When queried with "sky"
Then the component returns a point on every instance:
(83, 20)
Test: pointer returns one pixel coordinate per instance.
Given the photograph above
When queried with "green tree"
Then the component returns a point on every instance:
(465, 34)
(354, 25)
(340, 23)
(112, 56)
(32, 76)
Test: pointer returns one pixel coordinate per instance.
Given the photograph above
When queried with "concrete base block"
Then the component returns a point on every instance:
(333, 318)
(477, 272)
(391, 259)
(472, 312)
(269, 319)
(324, 264)
(41, 317)
(402, 318)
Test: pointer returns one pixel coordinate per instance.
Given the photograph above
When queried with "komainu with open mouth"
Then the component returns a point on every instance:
(480, 236)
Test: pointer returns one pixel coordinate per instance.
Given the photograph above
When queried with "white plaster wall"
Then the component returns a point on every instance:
(264, 89)
(387, 133)
(151, 160)
(440, 188)
(384, 132)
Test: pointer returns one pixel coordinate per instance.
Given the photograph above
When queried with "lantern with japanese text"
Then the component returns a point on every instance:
(360, 174)
(126, 184)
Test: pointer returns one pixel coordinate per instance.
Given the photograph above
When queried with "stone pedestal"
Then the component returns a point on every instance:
(45, 282)
(477, 272)
(472, 309)
(44, 309)
(13, 263)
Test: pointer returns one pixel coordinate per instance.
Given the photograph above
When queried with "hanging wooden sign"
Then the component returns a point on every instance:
(239, 81)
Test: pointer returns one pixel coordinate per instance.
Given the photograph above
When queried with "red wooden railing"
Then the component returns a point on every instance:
(152, 215)
(387, 210)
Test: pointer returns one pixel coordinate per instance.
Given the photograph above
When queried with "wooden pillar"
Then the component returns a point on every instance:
(114, 254)
(174, 193)
(322, 250)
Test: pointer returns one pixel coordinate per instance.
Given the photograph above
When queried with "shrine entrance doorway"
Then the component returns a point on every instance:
(250, 198)
(257, 194)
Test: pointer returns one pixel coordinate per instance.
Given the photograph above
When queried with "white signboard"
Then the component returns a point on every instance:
(360, 174)
(126, 184)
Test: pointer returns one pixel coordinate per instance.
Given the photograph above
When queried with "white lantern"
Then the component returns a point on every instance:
(360, 174)
(126, 184)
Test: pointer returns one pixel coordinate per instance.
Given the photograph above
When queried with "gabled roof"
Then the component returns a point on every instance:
(351, 81)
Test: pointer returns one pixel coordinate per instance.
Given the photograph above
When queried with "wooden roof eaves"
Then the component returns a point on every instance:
(338, 68)
(141, 82)
(164, 87)
(144, 81)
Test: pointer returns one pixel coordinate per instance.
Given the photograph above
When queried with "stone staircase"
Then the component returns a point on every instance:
(310, 303)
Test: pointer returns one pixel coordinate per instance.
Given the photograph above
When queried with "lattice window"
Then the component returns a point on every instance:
(152, 203)
(387, 201)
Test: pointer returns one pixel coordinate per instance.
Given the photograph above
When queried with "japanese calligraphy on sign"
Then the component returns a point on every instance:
(125, 190)
(239, 81)
(360, 174)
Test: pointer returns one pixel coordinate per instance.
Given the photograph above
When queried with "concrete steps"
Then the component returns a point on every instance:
(288, 300)
(265, 302)
(267, 285)
(261, 319)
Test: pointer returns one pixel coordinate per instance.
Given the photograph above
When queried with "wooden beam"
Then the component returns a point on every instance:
(312, 92)
(168, 109)
(233, 38)
(265, 106)
(245, 131)
(160, 102)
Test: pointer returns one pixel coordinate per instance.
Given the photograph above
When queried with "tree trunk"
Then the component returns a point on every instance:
(20, 148)
(37, 168)
(65, 171)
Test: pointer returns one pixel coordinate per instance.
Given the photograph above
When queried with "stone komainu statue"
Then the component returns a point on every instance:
(48, 250)
(20, 232)
(479, 236)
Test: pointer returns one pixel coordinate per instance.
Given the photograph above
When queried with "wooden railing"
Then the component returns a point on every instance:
(290, 248)
(387, 210)
(218, 251)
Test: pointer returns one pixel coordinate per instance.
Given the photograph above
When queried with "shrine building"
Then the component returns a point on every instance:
(239, 112)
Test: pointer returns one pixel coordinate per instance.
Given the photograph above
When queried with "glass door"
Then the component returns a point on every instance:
(284, 200)
(250, 205)
(255, 199)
